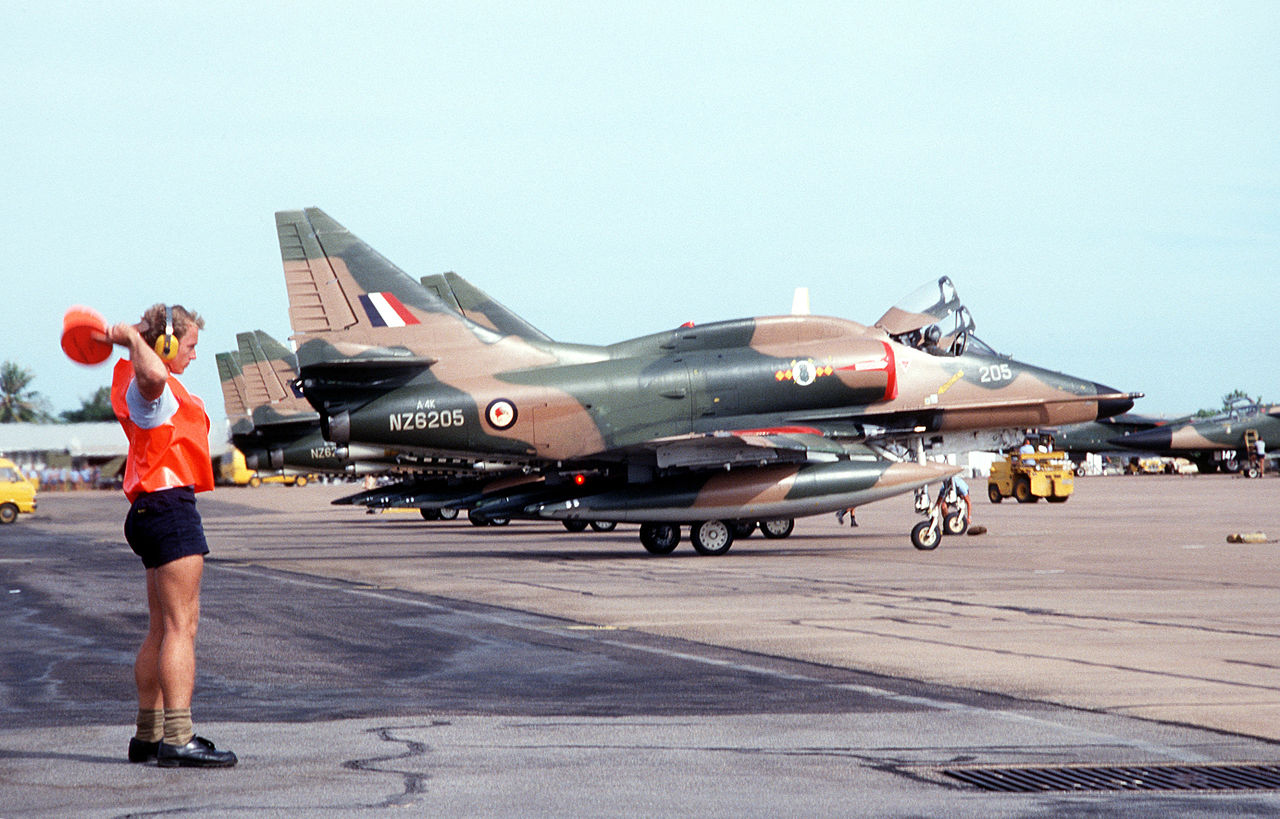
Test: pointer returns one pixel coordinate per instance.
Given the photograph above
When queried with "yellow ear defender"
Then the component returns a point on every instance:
(167, 345)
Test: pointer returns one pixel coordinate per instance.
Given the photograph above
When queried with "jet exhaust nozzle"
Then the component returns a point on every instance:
(336, 427)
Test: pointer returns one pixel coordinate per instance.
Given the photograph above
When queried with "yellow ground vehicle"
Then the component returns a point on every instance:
(1028, 478)
(232, 470)
(288, 479)
(17, 494)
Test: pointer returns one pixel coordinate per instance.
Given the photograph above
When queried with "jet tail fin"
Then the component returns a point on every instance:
(478, 306)
(338, 284)
(269, 369)
(232, 377)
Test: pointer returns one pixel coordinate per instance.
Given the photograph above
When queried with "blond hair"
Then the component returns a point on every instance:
(153, 322)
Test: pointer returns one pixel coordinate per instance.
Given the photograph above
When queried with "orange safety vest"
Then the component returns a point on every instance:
(176, 453)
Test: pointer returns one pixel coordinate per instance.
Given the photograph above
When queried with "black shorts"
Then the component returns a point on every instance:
(164, 526)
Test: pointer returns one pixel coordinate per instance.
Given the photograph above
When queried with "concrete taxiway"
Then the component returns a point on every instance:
(358, 662)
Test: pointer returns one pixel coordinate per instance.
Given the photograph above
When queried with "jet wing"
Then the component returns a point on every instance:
(906, 420)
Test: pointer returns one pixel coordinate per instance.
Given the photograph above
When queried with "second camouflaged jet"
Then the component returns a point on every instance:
(1228, 441)
(706, 426)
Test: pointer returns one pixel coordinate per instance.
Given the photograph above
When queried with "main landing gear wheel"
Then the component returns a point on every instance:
(659, 538)
(712, 537)
(742, 528)
(575, 525)
(603, 525)
(447, 513)
(955, 524)
(430, 514)
(777, 528)
(925, 536)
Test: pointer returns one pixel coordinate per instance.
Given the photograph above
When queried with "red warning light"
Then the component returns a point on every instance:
(579, 479)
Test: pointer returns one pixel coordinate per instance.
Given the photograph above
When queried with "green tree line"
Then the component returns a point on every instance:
(19, 403)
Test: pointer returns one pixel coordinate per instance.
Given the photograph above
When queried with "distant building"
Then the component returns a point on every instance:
(91, 453)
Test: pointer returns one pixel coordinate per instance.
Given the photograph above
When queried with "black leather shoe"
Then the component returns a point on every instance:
(141, 751)
(198, 753)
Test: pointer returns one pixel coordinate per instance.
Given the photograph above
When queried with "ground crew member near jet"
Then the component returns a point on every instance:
(168, 463)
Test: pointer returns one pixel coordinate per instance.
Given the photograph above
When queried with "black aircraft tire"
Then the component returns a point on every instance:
(924, 538)
(430, 514)
(777, 528)
(955, 524)
(447, 513)
(711, 537)
(575, 525)
(742, 528)
(659, 538)
(603, 525)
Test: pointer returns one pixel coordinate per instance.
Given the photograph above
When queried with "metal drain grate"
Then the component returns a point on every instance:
(1121, 778)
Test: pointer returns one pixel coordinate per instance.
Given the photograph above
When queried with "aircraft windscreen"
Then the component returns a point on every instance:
(1238, 408)
(932, 318)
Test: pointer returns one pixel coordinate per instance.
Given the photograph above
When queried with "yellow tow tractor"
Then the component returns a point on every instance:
(1031, 476)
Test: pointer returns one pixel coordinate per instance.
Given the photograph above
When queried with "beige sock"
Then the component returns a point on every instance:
(150, 725)
(177, 726)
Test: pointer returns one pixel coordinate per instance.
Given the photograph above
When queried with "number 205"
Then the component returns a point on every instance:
(996, 372)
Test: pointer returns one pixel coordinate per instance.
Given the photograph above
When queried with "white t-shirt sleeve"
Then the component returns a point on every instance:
(150, 414)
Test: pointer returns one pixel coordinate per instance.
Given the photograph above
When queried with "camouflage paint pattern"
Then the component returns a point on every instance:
(778, 491)
(1210, 434)
(436, 369)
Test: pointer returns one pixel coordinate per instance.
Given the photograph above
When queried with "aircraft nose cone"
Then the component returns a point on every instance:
(1116, 402)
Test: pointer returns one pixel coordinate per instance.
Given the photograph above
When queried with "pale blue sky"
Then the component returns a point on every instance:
(1101, 180)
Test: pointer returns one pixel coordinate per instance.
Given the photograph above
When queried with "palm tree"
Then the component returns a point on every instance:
(17, 403)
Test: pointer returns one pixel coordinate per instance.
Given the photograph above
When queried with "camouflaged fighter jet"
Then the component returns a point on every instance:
(274, 426)
(711, 426)
(1222, 442)
(1094, 437)
(271, 422)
